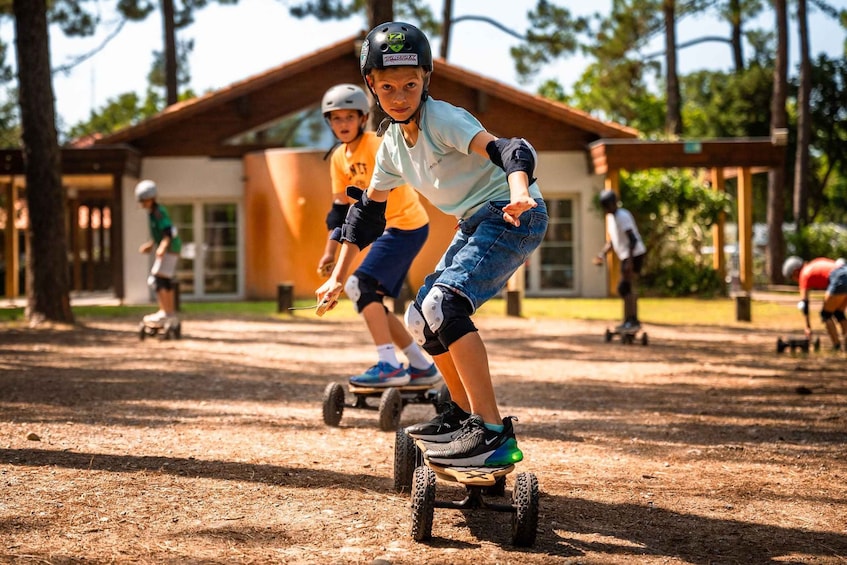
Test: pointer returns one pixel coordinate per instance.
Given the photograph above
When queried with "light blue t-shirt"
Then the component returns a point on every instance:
(441, 165)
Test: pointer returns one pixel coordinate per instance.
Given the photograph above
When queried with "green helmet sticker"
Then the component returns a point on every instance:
(396, 40)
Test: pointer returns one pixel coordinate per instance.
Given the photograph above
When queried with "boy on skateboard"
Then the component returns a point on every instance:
(624, 239)
(383, 271)
(488, 184)
(166, 244)
(821, 274)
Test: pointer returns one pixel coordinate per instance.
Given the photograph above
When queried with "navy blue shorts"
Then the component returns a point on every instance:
(390, 257)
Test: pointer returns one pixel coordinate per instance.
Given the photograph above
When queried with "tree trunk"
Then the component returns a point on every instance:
(379, 12)
(737, 44)
(804, 125)
(446, 28)
(171, 85)
(775, 253)
(47, 265)
(673, 118)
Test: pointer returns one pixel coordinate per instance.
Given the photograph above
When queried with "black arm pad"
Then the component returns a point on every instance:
(335, 234)
(514, 154)
(365, 222)
(335, 217)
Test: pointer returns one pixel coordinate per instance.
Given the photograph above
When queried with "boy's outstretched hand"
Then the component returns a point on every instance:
(327, 295)
(513, 210)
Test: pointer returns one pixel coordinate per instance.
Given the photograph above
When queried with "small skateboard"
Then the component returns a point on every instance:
(628, 337)
(392, 400)
(413, 472)
(801, 344)
(166, 330)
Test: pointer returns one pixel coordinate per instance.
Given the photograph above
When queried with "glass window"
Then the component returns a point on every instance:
(556, 253)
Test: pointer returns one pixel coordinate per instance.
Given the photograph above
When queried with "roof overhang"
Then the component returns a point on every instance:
(635, 154)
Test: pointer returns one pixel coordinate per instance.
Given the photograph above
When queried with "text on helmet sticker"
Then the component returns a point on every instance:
(400, 59)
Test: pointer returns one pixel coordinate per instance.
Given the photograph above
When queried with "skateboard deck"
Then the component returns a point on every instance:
(355, 389)
(466, 475)
(475, 476)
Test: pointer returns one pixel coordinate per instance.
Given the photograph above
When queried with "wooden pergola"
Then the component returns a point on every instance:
(722, 157)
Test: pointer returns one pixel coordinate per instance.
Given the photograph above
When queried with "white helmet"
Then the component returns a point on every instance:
(145, 190)
(345, 97)
(790, 265)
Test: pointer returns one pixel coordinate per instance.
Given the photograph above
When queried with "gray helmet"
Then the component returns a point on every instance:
(145, 190)
(345, 97)
(395, 44)
(790, 265)
(608, 197)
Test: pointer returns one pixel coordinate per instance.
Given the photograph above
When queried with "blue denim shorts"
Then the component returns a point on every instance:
(486, 251)
(390, 257)
(837, 281)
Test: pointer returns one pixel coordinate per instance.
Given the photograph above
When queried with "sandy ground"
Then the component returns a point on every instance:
(703, 447)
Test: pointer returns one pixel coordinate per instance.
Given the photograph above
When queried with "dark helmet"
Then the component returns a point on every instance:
(395, 44)
(607, 198)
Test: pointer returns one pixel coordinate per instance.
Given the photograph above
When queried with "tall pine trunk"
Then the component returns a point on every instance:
(47, 265)
(673, 118)
(379, 12)
(779, 122)
(804, 124)
(170, 55)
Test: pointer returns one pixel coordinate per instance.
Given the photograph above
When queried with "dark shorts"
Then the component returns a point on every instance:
(390, 257)
(837, 281)
(637, 263)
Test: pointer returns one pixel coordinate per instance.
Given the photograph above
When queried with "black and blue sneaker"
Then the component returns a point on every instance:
(443, 428)
(477, 446)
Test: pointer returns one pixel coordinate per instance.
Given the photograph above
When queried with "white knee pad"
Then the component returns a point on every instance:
(432, 307)
(354, 293)
(415, 323)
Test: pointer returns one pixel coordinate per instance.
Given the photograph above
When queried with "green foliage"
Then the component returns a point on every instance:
(674, 210)
(818, 240)
(126, 110)
(413, 11)
(828, 101)
(719, 104)
(553, 32)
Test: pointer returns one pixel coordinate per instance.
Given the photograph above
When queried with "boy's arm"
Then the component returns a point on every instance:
(516, 157)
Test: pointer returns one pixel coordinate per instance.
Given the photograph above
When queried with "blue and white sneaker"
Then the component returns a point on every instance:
(382, 375)
(428, 376)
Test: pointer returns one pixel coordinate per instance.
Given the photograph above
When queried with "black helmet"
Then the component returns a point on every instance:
(395, 44)
(608, 197)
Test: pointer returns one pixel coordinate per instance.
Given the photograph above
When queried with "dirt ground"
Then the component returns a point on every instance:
(704, 447)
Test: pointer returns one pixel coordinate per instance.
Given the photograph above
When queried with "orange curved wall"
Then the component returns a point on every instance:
(286, 197)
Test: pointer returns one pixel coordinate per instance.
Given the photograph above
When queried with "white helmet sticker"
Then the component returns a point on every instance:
(400, 59)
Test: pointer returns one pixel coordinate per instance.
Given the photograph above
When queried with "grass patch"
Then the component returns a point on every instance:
(665, 311)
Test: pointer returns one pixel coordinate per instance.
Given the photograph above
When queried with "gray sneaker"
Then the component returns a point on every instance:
(443, 428)
(477, 446)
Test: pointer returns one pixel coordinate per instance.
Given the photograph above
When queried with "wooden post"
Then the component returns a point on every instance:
(718, 239)
(613, 270)
(515, 291)
(11, 243)
(745, 243)
(284, 297)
